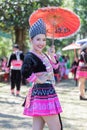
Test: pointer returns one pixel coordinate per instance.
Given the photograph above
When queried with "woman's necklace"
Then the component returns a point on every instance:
(40, 55)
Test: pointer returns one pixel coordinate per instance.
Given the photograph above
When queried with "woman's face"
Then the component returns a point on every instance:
(39, 42)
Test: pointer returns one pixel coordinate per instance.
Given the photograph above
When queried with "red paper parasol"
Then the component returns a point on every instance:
(60, 22)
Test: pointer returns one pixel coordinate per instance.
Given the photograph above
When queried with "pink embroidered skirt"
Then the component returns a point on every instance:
(81, 72)
(42, 101)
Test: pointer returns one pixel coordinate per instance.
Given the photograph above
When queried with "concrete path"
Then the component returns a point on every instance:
(74, 114)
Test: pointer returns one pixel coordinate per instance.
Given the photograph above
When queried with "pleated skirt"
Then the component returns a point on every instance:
(42, 100)
(81, 72)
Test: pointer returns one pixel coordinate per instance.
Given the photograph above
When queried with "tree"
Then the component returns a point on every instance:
(4, 44)
(14, 17)
(80, 7)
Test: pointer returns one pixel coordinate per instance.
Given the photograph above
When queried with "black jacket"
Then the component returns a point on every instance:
(13, 57)
(32, 64)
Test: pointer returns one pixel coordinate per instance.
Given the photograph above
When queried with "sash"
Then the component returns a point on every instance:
(16, 64)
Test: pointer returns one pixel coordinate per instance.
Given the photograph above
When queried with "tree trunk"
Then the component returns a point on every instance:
(20, 38)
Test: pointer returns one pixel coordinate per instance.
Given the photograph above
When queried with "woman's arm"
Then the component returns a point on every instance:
(28, 71)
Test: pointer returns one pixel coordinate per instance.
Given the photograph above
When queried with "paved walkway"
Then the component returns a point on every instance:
(74, 114)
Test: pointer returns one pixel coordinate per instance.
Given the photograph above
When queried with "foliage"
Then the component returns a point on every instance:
(68, 4)
(16, 13)
(80, 7)
(5, 47)
(14, 17)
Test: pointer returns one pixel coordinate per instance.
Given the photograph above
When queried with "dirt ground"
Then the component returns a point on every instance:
(74, 114)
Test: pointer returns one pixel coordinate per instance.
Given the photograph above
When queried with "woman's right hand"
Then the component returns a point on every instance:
(42, 79)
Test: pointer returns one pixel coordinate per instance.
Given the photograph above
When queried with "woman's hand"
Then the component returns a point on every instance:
(43, 78)
(41, 81)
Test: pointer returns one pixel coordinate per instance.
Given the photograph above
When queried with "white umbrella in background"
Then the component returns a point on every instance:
(72, 46)
(84, 46)
(82, 41)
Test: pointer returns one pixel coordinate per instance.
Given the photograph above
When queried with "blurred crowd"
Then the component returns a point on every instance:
(4, 70)
(60, 73)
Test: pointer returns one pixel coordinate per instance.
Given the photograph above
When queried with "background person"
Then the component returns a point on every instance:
(14, 63)
(81, 74)
(5, 69)
(74, 67)
(53, 57)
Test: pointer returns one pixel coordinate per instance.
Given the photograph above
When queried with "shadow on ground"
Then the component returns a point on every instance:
(74, 114)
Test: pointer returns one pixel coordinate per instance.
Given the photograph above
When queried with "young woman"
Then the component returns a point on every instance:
(41, 102)
(81, 74)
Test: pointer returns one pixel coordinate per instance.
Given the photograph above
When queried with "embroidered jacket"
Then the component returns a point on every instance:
(33, 64)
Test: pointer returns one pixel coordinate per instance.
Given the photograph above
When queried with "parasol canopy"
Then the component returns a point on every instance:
(82, 41)
(72, 46)
(84, 46)
(60, 22)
